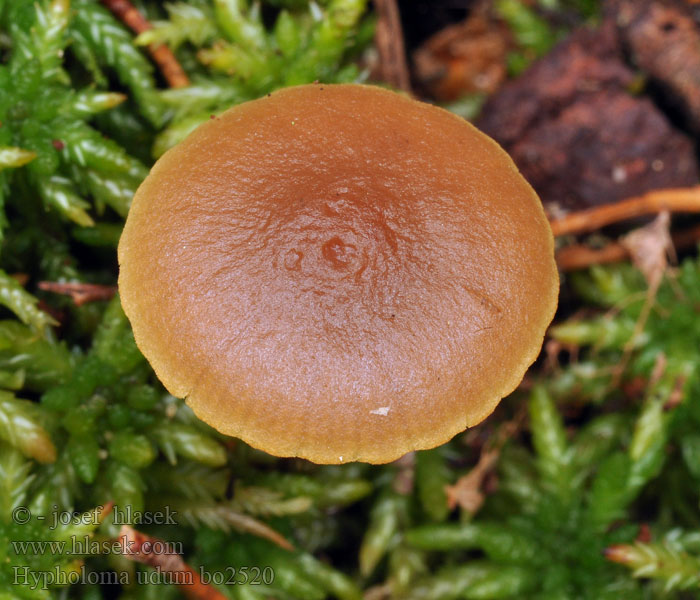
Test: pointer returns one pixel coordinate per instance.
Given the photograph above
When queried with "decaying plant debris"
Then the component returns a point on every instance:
(583, 484)
(577, 132)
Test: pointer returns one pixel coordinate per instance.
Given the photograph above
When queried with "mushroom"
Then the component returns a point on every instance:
(339, 273)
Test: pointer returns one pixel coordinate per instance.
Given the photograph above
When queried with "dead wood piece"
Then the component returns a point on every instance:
(588, 61)
(390, 45)
(579, 136)
(663, 39)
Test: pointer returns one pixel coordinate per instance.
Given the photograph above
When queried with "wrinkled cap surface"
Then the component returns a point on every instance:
(338, 272)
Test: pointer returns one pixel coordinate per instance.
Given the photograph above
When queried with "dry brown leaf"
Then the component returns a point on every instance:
(469, 57)
(466, 492)
(650, 247)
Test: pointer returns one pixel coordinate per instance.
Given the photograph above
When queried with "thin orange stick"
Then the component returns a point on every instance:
(673, 200)
(580, 256)
(128, 14)
(80, 292)
(141, 548)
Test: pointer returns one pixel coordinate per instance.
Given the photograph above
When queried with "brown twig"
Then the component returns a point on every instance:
(21, 278)
(81, 293)
(581, 256)
(128, 14)
(388, 38)
(673, 200)
(155, 553)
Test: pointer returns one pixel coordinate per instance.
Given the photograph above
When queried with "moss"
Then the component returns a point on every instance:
(84, 421)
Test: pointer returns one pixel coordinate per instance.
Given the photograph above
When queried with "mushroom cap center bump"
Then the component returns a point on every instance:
(338, 272)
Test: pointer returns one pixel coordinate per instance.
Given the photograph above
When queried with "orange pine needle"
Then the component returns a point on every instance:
(128, 14)
(140, 548)
(673, 200)
(81, 293)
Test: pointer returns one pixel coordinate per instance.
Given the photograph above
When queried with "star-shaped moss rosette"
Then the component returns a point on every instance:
(622, 328)
(664, 353)
(544, 532)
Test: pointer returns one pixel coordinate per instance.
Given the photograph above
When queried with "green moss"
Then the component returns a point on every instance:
(84, 421)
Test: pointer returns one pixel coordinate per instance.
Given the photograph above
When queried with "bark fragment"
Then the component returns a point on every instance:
(663, 39)
(579, 136)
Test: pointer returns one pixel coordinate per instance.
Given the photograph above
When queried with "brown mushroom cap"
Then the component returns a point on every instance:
(338, 272)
